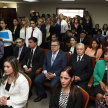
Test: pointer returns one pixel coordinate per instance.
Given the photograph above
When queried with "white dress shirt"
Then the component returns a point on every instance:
(80, 57)
(81, 39)
(45, 71)
(8, 42)
(71, 50)
(18, 92)
(32, 57)
(64, 26)
(103, 33)
(36, 33)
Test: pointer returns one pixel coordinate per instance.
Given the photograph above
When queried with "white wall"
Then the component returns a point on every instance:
(98, 12)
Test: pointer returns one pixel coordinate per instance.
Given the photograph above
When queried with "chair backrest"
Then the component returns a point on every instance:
(93, 63)
(86, 46)
(68, 57)
(29, 81)
(63, 45)
(85, 97)
(45, 51)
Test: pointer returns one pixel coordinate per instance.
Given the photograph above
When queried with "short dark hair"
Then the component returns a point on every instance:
(33, 39)
(20, 39)
(34, 20)
(54, 34)
(97, 24)
(56, 41)
(100, 31)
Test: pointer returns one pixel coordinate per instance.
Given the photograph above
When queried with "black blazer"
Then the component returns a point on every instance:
(49, 45)
(23, 52)
(76, 103)
(86, 41)
(84, 68)
(38, 58)
(52, 31)
(43, 30)
(67, 49)
(17, 32)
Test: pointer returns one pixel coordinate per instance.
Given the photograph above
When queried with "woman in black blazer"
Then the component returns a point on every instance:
(15, 30)
(71, 46)
(65, 93)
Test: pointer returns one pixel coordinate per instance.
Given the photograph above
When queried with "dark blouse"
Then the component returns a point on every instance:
(104, 80)
(7, 86)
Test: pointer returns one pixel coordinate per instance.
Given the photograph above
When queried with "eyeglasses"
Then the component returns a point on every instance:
(54, 45)
(18, 42)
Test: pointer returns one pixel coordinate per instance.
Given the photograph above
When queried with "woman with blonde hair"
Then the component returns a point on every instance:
(49, 28)
(14, 87)
(24, 26)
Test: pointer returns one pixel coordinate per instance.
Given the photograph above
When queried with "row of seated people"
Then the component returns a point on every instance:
(80, 62)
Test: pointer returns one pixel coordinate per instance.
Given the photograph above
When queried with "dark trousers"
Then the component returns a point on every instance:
(40, 79)
(8, 51)
(31, 75)
(83, 85)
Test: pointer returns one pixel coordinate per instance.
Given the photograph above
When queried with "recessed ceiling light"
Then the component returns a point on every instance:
(31, 0)
(67, 0)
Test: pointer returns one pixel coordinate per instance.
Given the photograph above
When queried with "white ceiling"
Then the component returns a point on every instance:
(59, 1)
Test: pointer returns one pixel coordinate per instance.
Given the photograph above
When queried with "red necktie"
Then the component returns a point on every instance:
(32, 33)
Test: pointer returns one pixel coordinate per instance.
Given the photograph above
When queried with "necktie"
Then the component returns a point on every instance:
(32, 33)
(53, 58)
(30, 59)
(19, 54)
(78, 60)
(81, 40)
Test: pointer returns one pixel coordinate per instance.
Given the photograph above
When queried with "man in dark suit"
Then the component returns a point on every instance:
(33, 59)
(57, 27)
(43, 30)
(54, 61)
(83, 38)
(82, 65)
(53, 38)
(20, 50)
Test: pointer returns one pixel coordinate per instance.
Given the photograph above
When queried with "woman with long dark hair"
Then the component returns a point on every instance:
(65, 93)
(14, 87)
(94, 50)
(8, 51)
(71, 47)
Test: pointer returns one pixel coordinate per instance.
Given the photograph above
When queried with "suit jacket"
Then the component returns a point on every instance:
(84, 68)
(98, 54)
(23, 52)
(58, 30)
(59, 62)
(77, 101)
(86, 41)
(99, 71)
(18, 92)
(67, 49)
(15, 34)
(43, 30)
(49, 45)
(38, 58)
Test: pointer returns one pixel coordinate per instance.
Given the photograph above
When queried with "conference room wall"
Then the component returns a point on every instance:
(97, 11)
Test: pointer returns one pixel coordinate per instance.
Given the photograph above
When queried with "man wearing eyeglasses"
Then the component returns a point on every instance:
(54, 61)
(20, 50)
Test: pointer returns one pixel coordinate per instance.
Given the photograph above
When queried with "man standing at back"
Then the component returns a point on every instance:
(33, 31)
(43, 30)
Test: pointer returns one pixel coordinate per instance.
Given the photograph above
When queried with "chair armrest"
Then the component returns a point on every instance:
(90, 84)
(38, 71)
